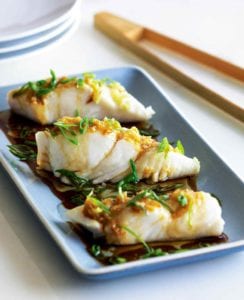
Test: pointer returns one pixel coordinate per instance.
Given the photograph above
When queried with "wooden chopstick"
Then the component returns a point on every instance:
(129, 35)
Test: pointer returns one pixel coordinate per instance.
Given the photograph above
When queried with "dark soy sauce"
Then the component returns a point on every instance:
(20, 130)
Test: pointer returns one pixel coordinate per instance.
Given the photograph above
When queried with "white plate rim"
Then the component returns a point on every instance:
(44, 27)
(44, 38)
(54, 42)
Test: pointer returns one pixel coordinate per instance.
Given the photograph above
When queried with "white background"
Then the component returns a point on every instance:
(31, 265)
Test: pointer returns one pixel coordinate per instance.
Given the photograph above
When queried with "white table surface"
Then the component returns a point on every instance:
(31, 265)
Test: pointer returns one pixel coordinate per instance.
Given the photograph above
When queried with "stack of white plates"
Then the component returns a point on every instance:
(28, 25)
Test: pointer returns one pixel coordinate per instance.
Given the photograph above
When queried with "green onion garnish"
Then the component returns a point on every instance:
(99, 204)
(180, 147)
(182, 200)
(150, 252)
(137, 237)
(119, 260)
(95, 250)
(67, 129)
(130, 178)
(151, 195)
(164, 146)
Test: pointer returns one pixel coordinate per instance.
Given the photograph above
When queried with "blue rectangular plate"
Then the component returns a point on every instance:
(215, 177)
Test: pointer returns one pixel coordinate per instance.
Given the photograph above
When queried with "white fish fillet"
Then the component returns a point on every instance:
(103, 153)
(90, 224)
(160, 167)
(94, 98)
(201, 217)
(56, 153)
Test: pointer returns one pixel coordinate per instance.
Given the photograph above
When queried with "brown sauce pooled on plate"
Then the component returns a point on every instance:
(109, 254)
(20, 130)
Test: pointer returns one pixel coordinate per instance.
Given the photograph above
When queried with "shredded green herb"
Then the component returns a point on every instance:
(30, 143)
(99, 204)
(135, 199)
(77, 199)
(22, 89)
(68, 80)
(43, 87)
(75, 180)
(182, 200)
(180, 147)
(154, 252)
(137, 237)
(79, 83)
(117, 260)
(150, 252)
(151, 195)
(161, 200)
(53, 81)
(40, 87)
(25, 132)
(23, 152)
(68, 129)
(164, 146)
(149, 132)
(95, 250)
(84, 124)
(130, 178)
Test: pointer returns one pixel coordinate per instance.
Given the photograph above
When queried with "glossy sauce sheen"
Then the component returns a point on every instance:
(15, 126)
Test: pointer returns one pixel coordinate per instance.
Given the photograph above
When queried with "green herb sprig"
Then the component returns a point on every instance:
(164, 146)
(117, 260)
(130, 178)
(150, 252)
(151, 195)
(69, 130)
(40, 87)
(99, 204)
(154, 252)
(25, 132)
(182, 200)
(43, 87)
(84, 124)
(96, 250)
(149, 132)
(23, 152)
(180, 147)
(76, 181)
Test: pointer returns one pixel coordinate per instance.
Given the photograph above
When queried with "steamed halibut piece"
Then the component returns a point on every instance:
(46, 101)
(122, 223)
(102, 150)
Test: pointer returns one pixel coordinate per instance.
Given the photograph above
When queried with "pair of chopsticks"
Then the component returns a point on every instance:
(129, 35)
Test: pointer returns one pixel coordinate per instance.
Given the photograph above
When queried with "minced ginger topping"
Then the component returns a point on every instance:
(114, 207)
(78, 125)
